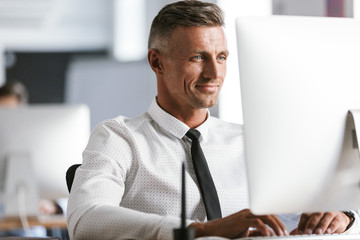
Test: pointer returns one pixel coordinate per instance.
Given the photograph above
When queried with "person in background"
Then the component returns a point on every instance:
(128, 186)
(14, 94)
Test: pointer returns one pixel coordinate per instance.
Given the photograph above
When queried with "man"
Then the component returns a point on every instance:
(129, 184)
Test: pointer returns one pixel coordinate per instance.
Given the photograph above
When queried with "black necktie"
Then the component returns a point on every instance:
(206, 183)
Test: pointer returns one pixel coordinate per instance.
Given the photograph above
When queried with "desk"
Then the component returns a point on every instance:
(55, 225)
(49, 222)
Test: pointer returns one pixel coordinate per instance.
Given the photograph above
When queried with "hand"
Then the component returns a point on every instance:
(241, 224)
(322, 223)
(49, 207)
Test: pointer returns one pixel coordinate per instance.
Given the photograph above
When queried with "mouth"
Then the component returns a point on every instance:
(207, 87)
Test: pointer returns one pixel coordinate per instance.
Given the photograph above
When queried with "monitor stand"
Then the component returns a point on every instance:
(19, 196)
(343, 189)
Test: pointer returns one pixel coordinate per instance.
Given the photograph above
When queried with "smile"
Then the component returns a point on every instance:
(207, 87)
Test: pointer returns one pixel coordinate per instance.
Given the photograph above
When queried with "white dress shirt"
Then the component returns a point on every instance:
(129, 187)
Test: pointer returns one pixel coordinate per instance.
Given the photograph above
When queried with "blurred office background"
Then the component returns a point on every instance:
(94, 51)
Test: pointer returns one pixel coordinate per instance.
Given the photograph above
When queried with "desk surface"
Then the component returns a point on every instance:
(52, 221)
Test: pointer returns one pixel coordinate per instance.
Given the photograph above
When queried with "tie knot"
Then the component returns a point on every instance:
(193, 134)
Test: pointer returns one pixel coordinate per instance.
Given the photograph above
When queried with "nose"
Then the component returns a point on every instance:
(213, 69)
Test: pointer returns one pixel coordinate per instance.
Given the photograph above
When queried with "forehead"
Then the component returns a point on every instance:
(199, 38)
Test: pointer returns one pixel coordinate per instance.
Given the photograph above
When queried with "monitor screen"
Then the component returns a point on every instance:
(38, 143)
(299, 78)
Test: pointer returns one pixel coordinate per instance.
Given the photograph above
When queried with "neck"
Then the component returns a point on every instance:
(193, 117)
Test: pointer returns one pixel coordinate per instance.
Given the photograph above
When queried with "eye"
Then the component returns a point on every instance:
(222, 58)
(197, 58)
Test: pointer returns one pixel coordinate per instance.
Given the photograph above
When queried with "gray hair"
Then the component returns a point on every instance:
(183, 13)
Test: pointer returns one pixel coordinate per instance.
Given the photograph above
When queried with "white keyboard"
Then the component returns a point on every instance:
(295, 237)
(309, 237)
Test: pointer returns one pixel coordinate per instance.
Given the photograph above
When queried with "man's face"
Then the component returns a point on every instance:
(9, 101)
(194, 67)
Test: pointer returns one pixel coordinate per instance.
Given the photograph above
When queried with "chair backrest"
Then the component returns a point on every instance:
(70, 174)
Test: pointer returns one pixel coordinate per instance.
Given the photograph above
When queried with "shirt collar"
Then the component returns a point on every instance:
(203, 128)
(173, 125)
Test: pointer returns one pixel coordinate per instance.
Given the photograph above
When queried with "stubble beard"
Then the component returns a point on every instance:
(205, 102)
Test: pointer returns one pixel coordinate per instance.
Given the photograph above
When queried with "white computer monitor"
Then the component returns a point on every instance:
(38, 143)
(299, 78)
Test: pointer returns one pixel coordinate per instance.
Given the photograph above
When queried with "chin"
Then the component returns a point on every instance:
(210, 105)
(205, 104)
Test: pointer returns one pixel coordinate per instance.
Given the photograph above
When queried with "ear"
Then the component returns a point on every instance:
(154, 58)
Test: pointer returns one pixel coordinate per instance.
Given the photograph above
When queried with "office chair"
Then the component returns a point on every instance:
(70, 174)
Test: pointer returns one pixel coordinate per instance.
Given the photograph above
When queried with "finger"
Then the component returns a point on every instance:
(294, 232)
(272, 233)
(260, 226)
(262, 222)
(276, 225)
(302, 223)
(247, 233)
(283, 228)
(312, 222)
(337, 225)
(254, 233)
(324, 226)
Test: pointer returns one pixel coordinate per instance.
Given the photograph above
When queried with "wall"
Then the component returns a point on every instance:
(110, 88)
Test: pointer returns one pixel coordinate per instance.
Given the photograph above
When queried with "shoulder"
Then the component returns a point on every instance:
(223, 132)
(117, 131)
(122, 124)
(114, 140)
(224, 126)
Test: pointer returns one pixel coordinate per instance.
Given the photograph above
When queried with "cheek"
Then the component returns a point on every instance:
(193, 72)
(222, 70)
(183, 76)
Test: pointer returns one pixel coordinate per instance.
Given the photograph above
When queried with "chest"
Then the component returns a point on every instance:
(157, 174)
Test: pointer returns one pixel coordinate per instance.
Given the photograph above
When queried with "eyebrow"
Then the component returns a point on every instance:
(225, 52)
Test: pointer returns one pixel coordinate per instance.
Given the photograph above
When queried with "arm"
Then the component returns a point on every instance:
(94, 210)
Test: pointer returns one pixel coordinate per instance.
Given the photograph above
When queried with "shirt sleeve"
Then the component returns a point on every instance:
(355, 228)
(94, 210)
